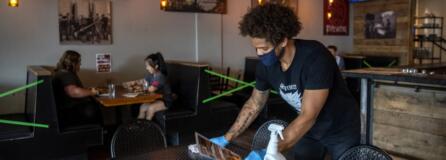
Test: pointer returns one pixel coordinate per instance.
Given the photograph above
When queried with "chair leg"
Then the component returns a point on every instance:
(173, 138)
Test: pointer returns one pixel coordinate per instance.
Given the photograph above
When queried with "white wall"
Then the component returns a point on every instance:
(236, 48)
(29, 36)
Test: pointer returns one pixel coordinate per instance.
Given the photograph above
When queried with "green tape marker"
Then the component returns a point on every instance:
(228, 92)
(19, 123)
(367, 64)
(233, 79)
(391, 63)
(20, 88)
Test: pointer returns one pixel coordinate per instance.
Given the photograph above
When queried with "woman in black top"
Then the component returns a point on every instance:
(74, 102)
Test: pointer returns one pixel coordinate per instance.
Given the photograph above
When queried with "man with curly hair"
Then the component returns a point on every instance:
(306, 77)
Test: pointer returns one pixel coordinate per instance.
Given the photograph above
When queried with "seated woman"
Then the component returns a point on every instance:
(74, 102)
(156, 82)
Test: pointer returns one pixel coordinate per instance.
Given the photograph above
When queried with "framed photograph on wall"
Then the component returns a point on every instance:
(85, 22)
(204, 6)
(380, 25)
(293, 4)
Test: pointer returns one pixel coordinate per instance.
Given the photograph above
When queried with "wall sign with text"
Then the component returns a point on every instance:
(336, 17)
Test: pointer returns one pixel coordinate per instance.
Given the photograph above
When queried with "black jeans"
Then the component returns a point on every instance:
(309, 148)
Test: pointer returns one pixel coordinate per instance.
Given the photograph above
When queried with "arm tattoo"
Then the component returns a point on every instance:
(249, 112)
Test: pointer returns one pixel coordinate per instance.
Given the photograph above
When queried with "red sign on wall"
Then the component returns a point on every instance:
(336, 17)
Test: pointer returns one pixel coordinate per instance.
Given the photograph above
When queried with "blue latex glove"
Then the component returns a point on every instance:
(221, 141)
(256, 155)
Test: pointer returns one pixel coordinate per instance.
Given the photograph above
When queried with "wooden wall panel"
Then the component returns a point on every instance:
(396, 47)
(410, 123)
(417, 145)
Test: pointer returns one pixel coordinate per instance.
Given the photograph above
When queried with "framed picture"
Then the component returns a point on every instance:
(85, 22)
(336, 17)
(293, 4)
(204, 6)
(380, 25)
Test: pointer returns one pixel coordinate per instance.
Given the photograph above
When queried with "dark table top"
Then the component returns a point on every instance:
(174, 153)
(179, 153)
(395, 74)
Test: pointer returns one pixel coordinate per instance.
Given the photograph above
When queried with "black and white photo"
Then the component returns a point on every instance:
(85, 22)
(380, 25)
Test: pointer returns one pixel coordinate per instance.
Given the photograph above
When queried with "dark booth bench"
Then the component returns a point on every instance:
(19, 142)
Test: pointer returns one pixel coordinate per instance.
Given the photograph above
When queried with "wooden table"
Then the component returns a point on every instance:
(120, 100)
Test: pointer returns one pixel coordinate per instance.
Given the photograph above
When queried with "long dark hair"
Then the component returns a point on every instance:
(156, 60)
(68, 61)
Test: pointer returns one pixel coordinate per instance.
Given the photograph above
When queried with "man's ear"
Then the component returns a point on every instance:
(284, 42)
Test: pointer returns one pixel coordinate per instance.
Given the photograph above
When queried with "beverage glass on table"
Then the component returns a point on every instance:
(111, 90)
(145, 87)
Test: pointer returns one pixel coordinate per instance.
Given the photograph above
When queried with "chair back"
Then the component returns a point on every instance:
(184, 81)
(261, 137)
(135, 138)
(365, 152)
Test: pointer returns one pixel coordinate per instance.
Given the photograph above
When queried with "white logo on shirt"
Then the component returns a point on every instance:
(292, 97)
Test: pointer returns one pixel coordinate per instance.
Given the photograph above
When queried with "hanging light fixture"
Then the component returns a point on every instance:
(13, 3)
(260, 2)
(163, 4)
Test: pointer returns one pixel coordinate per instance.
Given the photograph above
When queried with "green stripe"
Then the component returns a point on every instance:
(391, 63)
(367, 64)
(20, 88)
(229, 78)
(228, 92)
(19, 123)
(233, 79)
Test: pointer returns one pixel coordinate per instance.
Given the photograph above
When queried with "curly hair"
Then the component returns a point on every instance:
(68, 61)
(273, 22)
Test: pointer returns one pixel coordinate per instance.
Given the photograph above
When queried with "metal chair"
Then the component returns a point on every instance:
(365, 152)
(135, 138)
(261, 137)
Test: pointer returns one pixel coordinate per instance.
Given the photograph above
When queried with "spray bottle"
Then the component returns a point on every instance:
(272, 149)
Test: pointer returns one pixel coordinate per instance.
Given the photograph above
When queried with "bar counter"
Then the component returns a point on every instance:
(403, 113)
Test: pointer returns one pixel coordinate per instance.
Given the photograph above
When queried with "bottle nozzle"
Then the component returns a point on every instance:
(280, 134)
(276, 128)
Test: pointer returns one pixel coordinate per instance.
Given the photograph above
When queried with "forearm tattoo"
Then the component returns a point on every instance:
(249, 112)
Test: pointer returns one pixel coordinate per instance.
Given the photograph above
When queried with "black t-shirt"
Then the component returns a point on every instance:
(159, 81)
(313, 67)
(63, 78)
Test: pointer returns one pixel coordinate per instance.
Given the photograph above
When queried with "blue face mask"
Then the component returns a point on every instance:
(270, 58)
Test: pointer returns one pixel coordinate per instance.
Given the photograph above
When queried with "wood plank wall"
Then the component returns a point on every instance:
(397, 47)
(409, 123)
